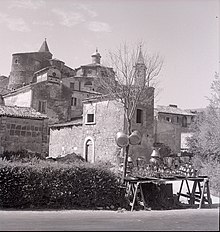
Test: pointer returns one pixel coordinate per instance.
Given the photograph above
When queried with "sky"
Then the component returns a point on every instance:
(185, 33)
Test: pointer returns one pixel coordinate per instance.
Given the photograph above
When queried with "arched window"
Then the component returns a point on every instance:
(89, 150)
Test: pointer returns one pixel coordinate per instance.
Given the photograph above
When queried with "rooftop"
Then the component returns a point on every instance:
(21, 112)
(75, 122)
(172, 109)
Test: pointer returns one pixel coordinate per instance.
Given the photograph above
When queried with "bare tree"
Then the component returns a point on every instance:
(134, 72)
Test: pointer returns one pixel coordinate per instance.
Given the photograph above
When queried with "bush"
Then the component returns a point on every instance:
(21, 155)
(42, 184)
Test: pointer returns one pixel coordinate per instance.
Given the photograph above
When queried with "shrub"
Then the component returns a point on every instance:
(21, 155)
(42, 184)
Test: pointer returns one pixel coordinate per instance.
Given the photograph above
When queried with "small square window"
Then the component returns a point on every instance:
(90, 118)
(72, 86)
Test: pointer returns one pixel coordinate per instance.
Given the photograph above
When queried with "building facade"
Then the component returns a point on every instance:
(172, 126)
(93, 135)
(23, 128)
(80, 120)
(49, 86)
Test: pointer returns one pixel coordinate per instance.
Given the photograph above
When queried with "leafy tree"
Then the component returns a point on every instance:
(204, 143)
(131, 83)
(205, 140)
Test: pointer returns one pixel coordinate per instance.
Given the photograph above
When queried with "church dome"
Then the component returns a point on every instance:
(96, 57)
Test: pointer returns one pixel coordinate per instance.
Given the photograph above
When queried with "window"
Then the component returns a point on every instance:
(42, 107)
(168, 119)
(139, 116)
(177, 119)
(90, 118)
(89, 71)
(72, 85)
(104, 73)
(88, 83)
(16, 61)
(184, 121)
(73, 101)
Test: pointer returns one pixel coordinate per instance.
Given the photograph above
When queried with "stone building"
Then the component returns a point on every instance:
(172, 126)
(23, 128)
(93, 135)
(49, 86)
(39, 82)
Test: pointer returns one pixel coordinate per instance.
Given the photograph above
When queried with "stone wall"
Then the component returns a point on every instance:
(57, 97)
(24, 133)
(24, 65)
(65, 140)
(77, 110)
(109, 119)
(146, 127)
(169, 134)
(21, 98)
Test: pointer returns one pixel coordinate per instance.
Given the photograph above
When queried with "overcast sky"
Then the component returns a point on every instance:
(184, 32)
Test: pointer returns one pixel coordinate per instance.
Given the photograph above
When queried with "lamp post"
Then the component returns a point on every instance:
(123, 141)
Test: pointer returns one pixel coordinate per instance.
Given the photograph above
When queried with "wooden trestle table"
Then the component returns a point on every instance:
(199, 192)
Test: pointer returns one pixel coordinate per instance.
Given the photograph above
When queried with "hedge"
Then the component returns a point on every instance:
(45, 184)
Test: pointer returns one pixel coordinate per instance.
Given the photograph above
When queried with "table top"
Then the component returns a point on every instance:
(155, 179)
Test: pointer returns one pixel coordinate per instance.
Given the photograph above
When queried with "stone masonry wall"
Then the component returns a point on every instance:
(24, 65)
(57, 98)
(109, 119)
(169, 134)
(65, 140)
(22, 98)
(24, 133)
(146, 128)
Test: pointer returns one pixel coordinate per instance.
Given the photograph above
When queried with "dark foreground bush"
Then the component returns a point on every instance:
(21, 155)
(42, 184)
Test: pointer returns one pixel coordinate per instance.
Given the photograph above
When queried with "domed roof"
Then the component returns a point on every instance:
(96, 53)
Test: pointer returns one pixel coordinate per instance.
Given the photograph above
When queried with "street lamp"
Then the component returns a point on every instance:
(123, 141)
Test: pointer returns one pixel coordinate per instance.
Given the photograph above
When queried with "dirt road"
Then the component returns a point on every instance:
(72, 220)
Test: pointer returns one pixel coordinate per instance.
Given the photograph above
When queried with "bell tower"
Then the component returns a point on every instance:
(140, 70)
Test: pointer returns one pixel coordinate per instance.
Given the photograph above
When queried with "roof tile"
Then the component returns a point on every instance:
(23, 112)
(172, 110)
